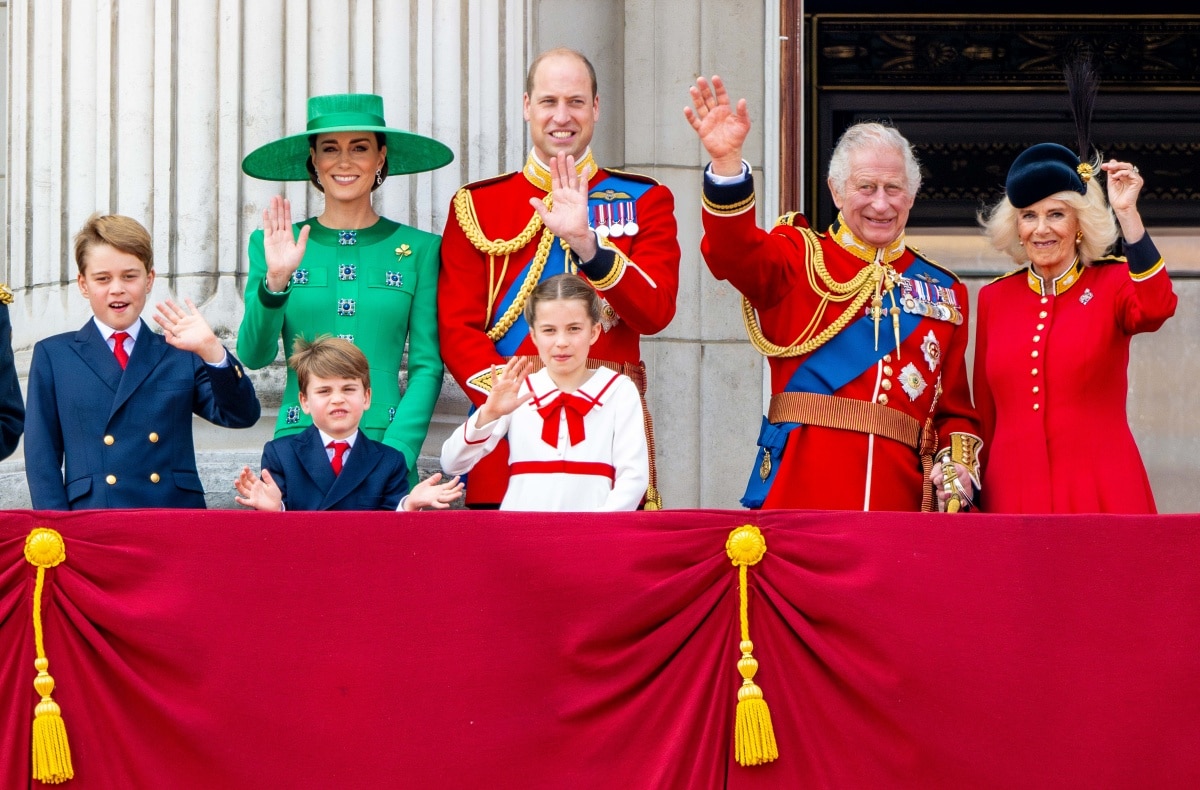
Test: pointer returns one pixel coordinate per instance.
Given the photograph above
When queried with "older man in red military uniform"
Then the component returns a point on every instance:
(507, 233)
(866, 338)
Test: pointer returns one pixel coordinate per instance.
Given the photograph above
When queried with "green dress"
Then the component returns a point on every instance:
(376, 287)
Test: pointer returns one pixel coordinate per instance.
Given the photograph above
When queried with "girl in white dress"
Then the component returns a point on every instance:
(576, 435)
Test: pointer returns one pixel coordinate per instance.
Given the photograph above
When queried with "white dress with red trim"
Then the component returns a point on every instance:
(581, 451)
(490, 247)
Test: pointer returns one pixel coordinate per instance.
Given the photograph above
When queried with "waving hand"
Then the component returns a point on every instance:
(722, 129)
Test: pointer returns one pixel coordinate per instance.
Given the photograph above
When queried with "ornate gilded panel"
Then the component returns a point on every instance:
(972, 92)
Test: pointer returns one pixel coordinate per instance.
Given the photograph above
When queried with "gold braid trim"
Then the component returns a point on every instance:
(614, 274)
(859, 289)
(964, 449)
(505, 322)
(464, 211)
(728, 209)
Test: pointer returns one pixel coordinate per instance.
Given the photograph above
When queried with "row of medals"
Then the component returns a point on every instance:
(932, 301)
(614, 219)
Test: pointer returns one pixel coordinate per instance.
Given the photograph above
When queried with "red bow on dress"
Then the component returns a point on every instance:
(574, 407)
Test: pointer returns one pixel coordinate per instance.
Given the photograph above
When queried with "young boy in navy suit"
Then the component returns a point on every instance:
(330, 465)
(108, 422)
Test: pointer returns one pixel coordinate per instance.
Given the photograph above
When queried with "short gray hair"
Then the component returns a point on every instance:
(871, 136)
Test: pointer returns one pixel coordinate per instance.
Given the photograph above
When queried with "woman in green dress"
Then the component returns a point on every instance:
(348, 272)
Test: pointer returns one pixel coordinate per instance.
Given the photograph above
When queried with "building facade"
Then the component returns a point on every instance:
(146, 108)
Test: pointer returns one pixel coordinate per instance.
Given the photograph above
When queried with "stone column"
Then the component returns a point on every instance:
(146, 108)
(705, 381)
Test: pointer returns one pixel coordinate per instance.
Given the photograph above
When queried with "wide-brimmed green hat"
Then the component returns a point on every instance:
(286, 159)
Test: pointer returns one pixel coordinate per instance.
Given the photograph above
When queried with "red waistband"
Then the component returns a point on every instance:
(563, 467)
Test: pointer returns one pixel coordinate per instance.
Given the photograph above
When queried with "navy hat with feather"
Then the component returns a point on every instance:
(1046, 169)
(1041, 171)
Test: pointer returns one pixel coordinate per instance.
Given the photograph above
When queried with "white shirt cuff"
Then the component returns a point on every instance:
(724, 181)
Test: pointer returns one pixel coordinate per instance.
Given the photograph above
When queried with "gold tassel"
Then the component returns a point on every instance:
(653, 499)
(754, 737)
(45, 548)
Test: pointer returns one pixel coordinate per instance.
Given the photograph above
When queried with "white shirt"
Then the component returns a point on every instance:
(107, 332)
(614, 438)
(326, 440)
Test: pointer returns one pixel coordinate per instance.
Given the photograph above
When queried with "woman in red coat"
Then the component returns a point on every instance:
(1052, 342)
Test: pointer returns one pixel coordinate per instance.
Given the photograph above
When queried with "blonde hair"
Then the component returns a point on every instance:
(1096, 223)
(567, 287)
(119, 232)
(328, 358)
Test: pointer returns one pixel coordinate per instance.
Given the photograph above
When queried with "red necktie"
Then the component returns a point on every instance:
(119, 348)
(574, 407)
(339, 449)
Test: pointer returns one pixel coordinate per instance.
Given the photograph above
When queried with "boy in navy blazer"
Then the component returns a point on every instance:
(108, 422)
(330, 465)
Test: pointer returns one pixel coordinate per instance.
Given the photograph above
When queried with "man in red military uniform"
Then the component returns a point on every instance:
(866, 338)
(506, 234)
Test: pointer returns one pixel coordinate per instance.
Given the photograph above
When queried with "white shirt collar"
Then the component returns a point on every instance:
(326, 439)
(595, 388)
(107, 331)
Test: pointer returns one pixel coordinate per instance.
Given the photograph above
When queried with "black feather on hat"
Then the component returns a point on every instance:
(1046, 169)
(1082, 86)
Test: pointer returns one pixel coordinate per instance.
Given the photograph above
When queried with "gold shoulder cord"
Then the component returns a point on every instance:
(859, 289)
(464, 212)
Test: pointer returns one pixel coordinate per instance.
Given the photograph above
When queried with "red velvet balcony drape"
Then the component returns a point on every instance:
(487, 650)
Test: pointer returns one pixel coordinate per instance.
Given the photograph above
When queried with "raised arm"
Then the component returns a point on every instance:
(275, 254)
(721, 127)
(186, 329)
(567, 214)
(283, 249)
(480, 434)
(223, 394)
(1124, 185)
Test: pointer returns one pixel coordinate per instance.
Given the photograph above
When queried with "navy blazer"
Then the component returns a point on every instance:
(12, 408)
(374, 477)
(126, 435)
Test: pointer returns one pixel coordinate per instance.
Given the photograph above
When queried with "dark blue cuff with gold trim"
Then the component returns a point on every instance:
(728, 198)
(601, 264)
(1142, 255)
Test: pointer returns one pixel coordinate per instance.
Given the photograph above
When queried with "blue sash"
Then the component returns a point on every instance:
(617, 188)
(841, 360)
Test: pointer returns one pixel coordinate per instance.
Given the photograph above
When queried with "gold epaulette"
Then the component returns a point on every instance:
(789, 219)
(6, 294)
(1021, 270)
(932, 262)
(633, 176)
(493, 180)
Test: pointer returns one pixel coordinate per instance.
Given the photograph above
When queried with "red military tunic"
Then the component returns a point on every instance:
(637, 276)
(1051, 378)
(836, 468)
